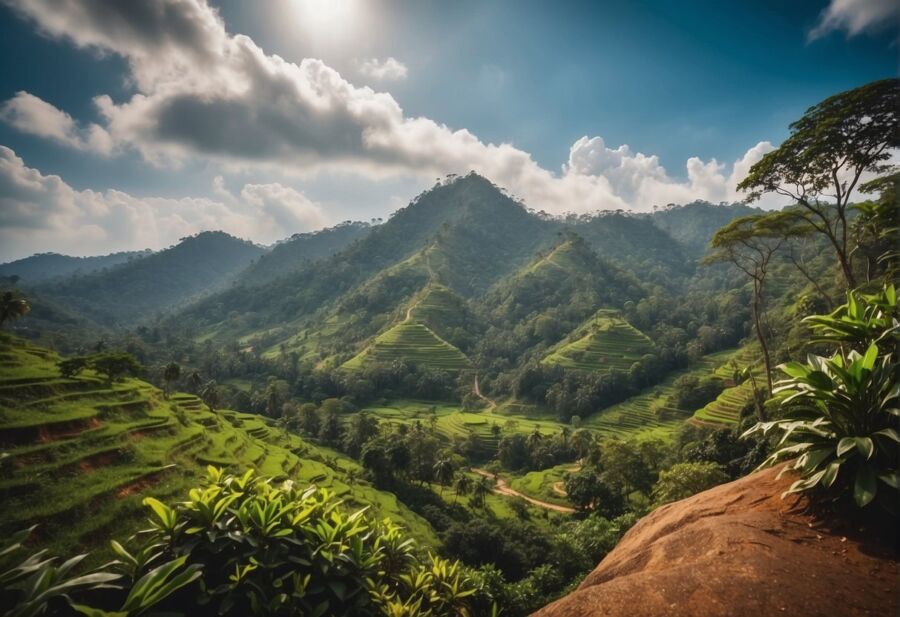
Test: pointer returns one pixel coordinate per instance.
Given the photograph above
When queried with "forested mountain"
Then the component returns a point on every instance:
(130, 291)
(44, 266)
(296, 251)
(694, 224)
(465, 235)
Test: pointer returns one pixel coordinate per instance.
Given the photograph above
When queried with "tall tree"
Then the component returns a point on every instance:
(443, 472)
(749, 243)
(821, 163)
(462, 485)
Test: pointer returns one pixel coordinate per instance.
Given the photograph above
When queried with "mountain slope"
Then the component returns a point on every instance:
(197, 265)
(412, 343)
(286, 257)
(694, 224)
(81, 453)
(45, 266)
(605, 343)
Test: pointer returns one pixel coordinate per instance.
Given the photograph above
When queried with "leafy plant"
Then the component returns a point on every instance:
(36, 585)
(841, 413)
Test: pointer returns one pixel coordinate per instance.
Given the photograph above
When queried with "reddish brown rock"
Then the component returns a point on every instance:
(740, 550)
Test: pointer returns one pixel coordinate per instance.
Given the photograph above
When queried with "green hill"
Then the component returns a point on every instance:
(413, 343)
(79, 454)
(198, 265)
(300, 249)
(45, 266)
(607, 342)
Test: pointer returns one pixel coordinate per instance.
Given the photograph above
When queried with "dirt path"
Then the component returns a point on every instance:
(559, 487)
(502, 488)
(477, 390)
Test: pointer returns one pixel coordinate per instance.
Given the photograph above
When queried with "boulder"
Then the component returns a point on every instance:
(741, 550)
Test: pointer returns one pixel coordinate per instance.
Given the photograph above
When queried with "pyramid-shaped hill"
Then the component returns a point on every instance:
(413, 343)
(568, 274)
(605, 343)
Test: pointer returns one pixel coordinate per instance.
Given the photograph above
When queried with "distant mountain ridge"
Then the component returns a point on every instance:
(130, 291)
(477, 259)
(44, 266)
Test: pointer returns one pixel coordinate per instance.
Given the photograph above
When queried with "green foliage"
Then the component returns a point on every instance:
(245, 545)
(685, 479)
(841, 413)
(36, 585)
(842, 137)
(113, 366)
(12, 306)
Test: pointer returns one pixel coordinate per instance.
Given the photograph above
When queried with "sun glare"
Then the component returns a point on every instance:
(329, 19)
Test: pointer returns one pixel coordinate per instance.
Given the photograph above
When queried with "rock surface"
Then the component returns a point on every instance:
(740, 550)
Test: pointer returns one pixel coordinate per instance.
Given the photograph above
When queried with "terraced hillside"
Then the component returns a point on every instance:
(453, 423)
(78, 455)
(646, 414)
(726, 408)
(414, 343)
(607, 342)
(437, 305)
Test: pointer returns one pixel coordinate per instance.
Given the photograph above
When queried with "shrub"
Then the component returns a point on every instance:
(841, 413)
(248, 546)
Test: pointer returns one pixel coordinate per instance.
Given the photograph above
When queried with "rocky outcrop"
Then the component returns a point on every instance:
(740, 550)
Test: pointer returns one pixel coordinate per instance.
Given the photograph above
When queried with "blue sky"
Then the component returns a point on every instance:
(573, 106)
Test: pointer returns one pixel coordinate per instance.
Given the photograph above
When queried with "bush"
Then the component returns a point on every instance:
(247, 546)
(841, 413)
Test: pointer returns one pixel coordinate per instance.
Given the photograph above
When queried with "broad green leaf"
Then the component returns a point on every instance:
(865, 487)
(865, 446)
(868, 361)
(845, 445)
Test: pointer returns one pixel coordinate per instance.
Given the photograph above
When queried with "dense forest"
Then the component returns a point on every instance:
(459, 410)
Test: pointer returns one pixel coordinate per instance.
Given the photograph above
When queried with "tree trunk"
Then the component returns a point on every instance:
(761, 336)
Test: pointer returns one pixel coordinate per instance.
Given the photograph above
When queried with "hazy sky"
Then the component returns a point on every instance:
(127, 125)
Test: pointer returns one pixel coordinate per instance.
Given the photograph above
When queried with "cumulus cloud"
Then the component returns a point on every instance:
(32, 115)
(389, 69)
(856, 17)
(203, 92)
(640, 179)
(43, 213)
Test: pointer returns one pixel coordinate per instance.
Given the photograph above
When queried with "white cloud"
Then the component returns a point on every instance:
(856, 17)
(204, 93)
(389, 69)
(30, 114)
(43, 213)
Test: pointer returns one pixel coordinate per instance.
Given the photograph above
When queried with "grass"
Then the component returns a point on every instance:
(79, 455)
(414, 343)
(726, 408)
(605, 343)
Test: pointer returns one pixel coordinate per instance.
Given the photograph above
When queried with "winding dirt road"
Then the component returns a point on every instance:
(502, 488)
(477, 390)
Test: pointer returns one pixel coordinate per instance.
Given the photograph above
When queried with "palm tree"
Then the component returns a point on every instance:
(443, 472)
(12, 306)
(480, 490)
(582, 440)
(171, 372)
(462, 485)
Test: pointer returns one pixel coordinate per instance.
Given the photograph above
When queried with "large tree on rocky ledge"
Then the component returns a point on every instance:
(828, 151)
